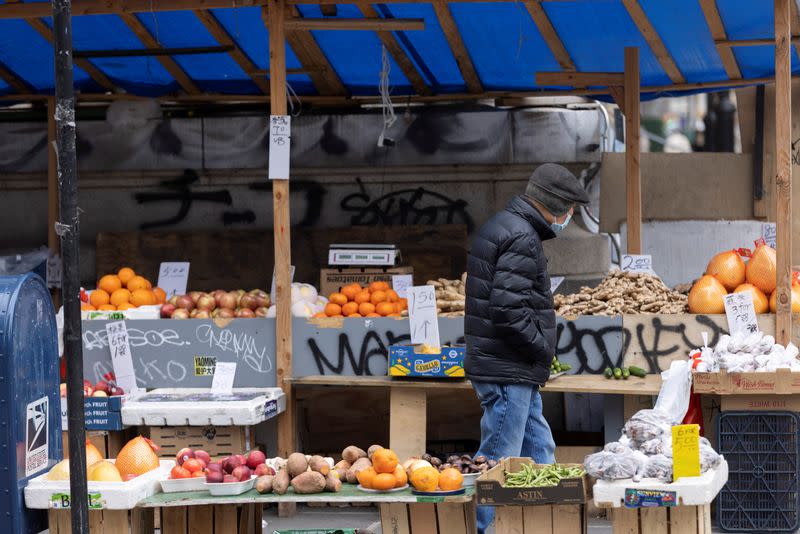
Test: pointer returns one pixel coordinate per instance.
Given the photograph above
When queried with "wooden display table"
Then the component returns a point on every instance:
(401, 512)
(408, 398)
(669, 520)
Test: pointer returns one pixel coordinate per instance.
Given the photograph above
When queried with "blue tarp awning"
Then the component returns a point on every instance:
(502, 40)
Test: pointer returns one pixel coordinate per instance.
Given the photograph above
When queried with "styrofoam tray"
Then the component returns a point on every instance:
(188, 406)
(41, 493)
(169, 485)
(230, 488)
(693, 491)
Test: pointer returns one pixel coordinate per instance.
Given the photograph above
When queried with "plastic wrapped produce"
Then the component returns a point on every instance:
(658, 467)
(612, 466)
(616, 447)
(657, 446)
(709, 459)
(645, 425)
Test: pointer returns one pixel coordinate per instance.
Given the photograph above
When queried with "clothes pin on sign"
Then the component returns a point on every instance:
(280, 134)
(422, 316)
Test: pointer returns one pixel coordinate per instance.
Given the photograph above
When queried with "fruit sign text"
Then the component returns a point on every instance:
(280, 131)
(422, 315)
(121, 358)
(685, 451)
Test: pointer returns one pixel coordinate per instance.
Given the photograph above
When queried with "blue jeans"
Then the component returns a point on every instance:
(512, 425)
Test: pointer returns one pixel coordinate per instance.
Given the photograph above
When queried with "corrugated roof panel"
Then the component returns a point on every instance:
(504, 44)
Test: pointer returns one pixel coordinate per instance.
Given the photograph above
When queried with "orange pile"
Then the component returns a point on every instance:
(376, 300)
(123, 291)
(385, 473)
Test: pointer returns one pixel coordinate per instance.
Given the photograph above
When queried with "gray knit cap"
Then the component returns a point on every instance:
(556, 189)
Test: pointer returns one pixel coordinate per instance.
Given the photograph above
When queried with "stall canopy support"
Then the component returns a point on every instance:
(52, 191)
(633, 173)
(783, 168)
(68, 230)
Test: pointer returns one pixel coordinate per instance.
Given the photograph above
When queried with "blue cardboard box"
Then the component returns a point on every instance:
(447, 363)
(100, 413)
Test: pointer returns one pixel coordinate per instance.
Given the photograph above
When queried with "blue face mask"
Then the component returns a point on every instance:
(557, 227)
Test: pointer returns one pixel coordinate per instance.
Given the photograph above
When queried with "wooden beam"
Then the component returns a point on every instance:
(13, 80)
(718, 33)
(264, 73)
(386, 25)
(175, 70)
(795, 13)
(579, 79)
(312, 58)
(752, 42)
(549, 35)
(32, 10)
(633, 172)
(656, 44)
(222, 36)
(783, 169)
(151, 52)
(457, 47)
(397, 52)
(282, 228)
(94, 73)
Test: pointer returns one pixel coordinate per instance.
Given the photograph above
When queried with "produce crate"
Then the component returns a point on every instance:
(675, 520)
(447, 363)
(105, 521)
(763, 454)
(781, 382)
(489, 488)
(100, 413)
(317, 531)
(428, 518)
(215, 440)
(552, 519)
(109, 443)
(332, 280)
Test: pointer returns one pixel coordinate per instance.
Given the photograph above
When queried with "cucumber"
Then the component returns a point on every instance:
(608, 373)
(565, 367)
(626, 373)
(617, 373)
(637, 371)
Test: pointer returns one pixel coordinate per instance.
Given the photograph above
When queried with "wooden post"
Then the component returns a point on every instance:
(783, 168)
(633, 173)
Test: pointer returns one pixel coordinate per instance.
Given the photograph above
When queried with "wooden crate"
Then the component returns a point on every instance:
(215, 440)
(667, 520)
(428, 518)
(136, 521)
(214, 519)
(552, 519)
(109, 443)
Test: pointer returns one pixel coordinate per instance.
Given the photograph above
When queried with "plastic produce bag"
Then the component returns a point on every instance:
(613, 466)
(709, 459)
(656, 446)
(658, 467)
(616, 447)
(673, 398)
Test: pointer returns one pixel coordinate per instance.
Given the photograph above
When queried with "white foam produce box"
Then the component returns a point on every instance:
(199, 407)
(41, 493)
(689, 491)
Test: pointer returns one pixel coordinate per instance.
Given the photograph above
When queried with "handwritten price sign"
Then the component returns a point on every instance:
(121, 357)
(280, 134)
(741, 313)
(173, 276)
(685, 451)
(422, 315)
(642, 263)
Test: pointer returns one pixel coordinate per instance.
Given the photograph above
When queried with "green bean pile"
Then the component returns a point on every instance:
(531, 476)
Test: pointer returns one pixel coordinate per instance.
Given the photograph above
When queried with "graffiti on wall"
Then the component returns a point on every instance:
(180, 190)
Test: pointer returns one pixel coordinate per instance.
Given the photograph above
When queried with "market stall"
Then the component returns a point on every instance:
(287, 21)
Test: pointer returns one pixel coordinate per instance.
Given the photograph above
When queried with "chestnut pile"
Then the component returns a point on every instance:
(464, 463)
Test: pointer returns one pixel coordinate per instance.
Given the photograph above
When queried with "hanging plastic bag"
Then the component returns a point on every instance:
(676, 386)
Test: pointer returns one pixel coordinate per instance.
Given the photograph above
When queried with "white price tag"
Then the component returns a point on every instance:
(769, 233)
(422, 315)
(222, 382)
(121, 357)
(401, 283)
(280, 135)
(272, 289)
(642, 263)
(555, 281)
(741, 313)
(173, 277)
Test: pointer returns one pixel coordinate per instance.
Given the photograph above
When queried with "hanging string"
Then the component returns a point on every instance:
(387, 108)
(291, 97)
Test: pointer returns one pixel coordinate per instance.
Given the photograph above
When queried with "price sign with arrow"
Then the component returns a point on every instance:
(422, 315)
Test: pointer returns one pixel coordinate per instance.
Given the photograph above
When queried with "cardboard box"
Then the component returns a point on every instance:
(781, 382)
(550, 519)
(215, 440)
(448, 363)
(489, 488)
(100, 413)
(332, 280)
(763, 403)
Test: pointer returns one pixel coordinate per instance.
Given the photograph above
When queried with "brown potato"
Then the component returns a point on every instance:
(280, 485)
(332, 482)
(308, 483)
(353, 453)
(341, 469)
(318, 464)
(361, 464)
(296, 464)
(264, 483)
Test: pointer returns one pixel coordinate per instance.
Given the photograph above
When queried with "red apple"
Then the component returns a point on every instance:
(263, 469)
(229, 479)
(228, 300)
(103, 386)
(87, 391)
(204, 456)
(117, 391)
(255, 458)
(206, 302)
(213, 466)
(167, 310)
(183, 455)
(242, 473)
(261, 297)
(214, 477)
(231, 463)
(180, 313)
(217, 294)
(245, 313)
(185, 302)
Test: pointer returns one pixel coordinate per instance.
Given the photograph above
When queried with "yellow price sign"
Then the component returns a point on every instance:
(685, 451)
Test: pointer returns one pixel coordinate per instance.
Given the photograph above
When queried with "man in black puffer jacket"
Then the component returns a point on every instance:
(510, 325)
